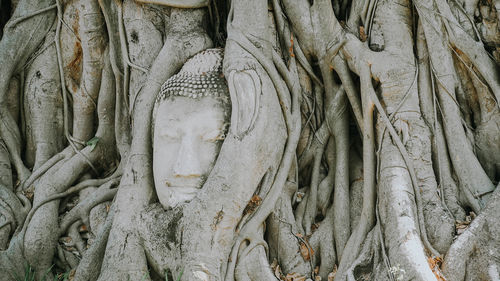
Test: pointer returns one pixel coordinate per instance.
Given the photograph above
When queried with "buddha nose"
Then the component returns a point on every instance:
(187, 163)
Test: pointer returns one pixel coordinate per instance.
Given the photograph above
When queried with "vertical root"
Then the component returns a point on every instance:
(310, 212)
(368, 211)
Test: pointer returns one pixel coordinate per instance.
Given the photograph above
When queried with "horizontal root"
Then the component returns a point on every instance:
(13, 22)
(81, 210)
(44, 168)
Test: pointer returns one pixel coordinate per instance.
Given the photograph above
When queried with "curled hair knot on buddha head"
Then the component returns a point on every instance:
(200, 76)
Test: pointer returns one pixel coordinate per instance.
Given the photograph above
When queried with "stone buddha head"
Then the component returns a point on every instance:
(190, 120)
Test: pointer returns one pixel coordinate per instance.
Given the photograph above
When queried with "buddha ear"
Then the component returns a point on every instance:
(245, 89)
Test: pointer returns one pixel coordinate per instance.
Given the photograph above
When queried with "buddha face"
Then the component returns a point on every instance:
(188, 134)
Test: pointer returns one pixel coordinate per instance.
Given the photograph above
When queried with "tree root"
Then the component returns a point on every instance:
(470, 257)
(93, 58)
(368, 210)
(121, 85)
(7, 222)
(67, 134)
(326, 185)
(254, 267)
(43, 227)
(90, 265)
(16, 204)
(340, 66)
(281, 234)
(322, 241)
(411, 170)
(14, 21)
(293, 126)
(300, 210)
(18, 44)
(370, 255)
(43, 169)
(245, 248)
(312, 199)
(448, 187)
(471, 176)
(75, 237)
(356, 186)
(81, 211)
(5, 168)
(320, 138)
(395, 138)
(41, 102)
(107, 183)
(337, 121)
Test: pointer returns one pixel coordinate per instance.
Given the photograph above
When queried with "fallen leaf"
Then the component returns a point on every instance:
(305, 249)
(71, 275)
(461, 226)
(274, 264)
(435, 265)
(362, 34)
(277, 272)
(314, 227)
(217, 219)
(294, 277)
(331, 275)
(305, 252)
(29, 194)
(253, 204)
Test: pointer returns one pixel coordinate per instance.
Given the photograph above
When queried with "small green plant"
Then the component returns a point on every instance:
(62, 276)
(93, 142)
(178, 277)
(30, 274)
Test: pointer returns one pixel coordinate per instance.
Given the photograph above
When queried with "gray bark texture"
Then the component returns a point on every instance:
(362, 141)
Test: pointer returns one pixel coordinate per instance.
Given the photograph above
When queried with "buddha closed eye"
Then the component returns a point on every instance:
(190, 123)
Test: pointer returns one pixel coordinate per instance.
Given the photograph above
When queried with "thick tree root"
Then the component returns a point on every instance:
(17, 44)
(312, 199)
(282, 231)
(27, 185)
(16, 205)
(81, 211)
(42, 102)
(90, 265)
(323, 244)
(473, 255)
(367, 219)
(254, 266)
(293, 126)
